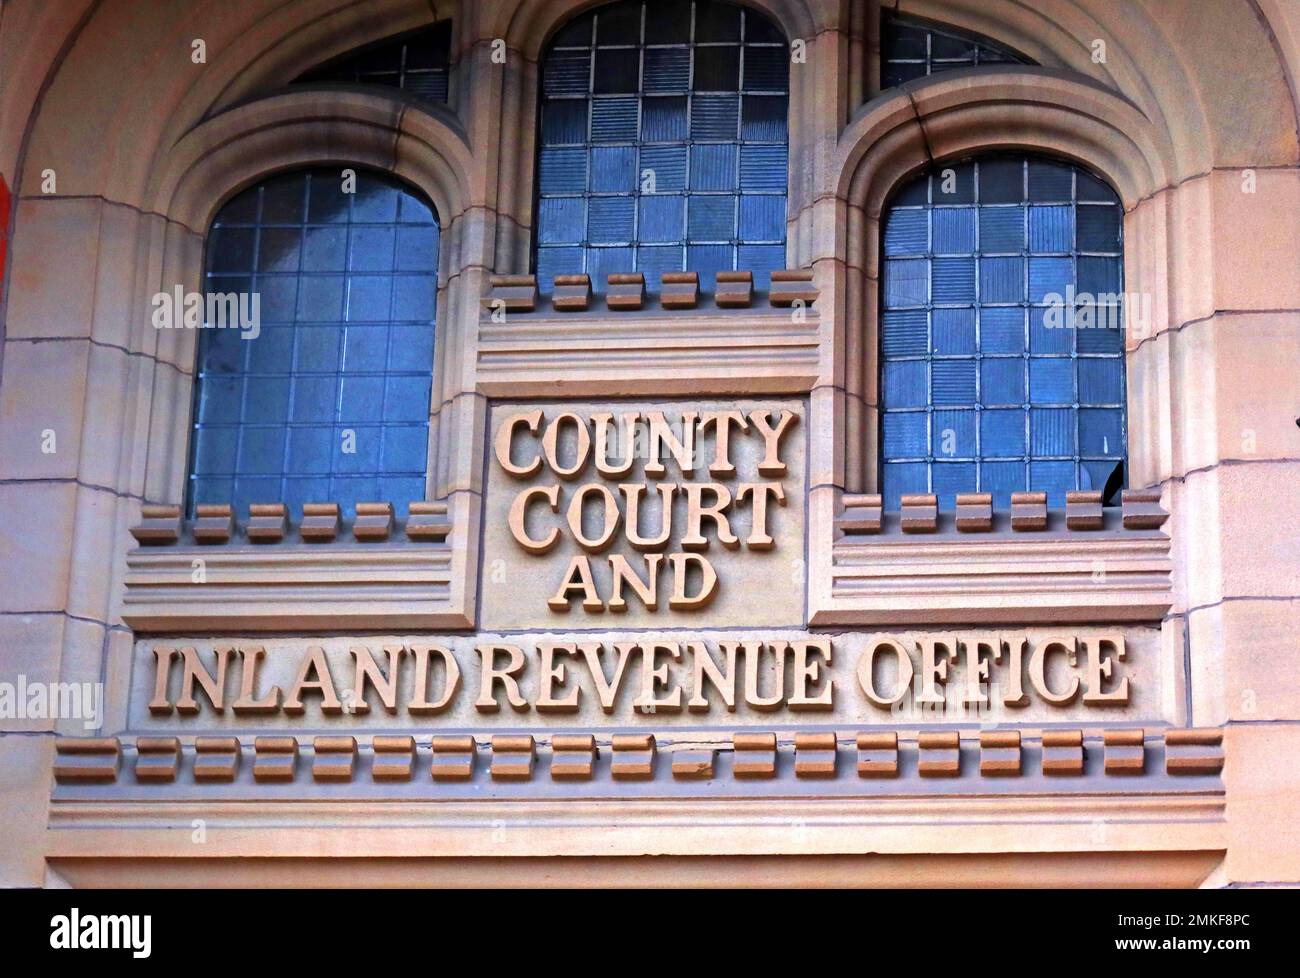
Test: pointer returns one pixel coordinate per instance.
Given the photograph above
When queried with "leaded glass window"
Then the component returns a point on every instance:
(329, 400)
(663, 143)
(913, 49)
(416, 62)
(1002, 350)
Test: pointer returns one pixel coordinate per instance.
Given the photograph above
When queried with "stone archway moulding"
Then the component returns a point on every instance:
(306, 127)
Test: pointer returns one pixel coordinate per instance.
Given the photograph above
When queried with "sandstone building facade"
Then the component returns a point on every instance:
(650, 442)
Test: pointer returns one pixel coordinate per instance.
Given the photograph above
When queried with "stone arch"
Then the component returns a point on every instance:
(299, 128)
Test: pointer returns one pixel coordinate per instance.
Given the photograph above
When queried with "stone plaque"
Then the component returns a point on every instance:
(646, 514)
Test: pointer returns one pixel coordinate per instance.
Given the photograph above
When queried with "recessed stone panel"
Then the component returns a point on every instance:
(575, 532)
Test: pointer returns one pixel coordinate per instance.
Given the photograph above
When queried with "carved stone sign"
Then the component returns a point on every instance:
(667, 679)
(645, 515)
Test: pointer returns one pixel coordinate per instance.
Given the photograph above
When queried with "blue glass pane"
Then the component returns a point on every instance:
(718, 22)
(611, 219)
(951, 478)
(1099, 276)
(1050, 181)
(1002, 229)
(906, 233)
(762, 217)
(953, 434)
(554, 261)
(654, 261)
(1101, 339)
(713, 167)
(662, 218)
(717, 69)
(907, 283)
(615, 71)
(1096, 473)
(1051, 381)
(667, 70)
(663, 120)
(564, 121)
(905, 333)
(562, 170)
(715, 117)
(953, 183)
(954, 230)
(906, 434)
(1098, 228)
(954, 331)
(767, 69)
(214, 448)
(1049, 330)
(602, 262)
(1002, 381)
(1051, 229)
(1049, 277)
(1051, 431)
(1100, 381)
(1002, 330)
(763, 167)
(614, 120)
(953, 280)
(404, 447)
(1101, 432)
(1001, 181)
(711, 218)
(708, 260)
(665, 166)
(1002, 280)
(1089, 188)
(670, 24)
(905, 384)
(563, 219)
(613, 169)
(1002, 434)
(762, 117)
(953, 382)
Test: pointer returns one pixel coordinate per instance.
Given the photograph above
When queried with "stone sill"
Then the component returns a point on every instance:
(921, 567)
(878, 762)
(655, 352)
(212, 573)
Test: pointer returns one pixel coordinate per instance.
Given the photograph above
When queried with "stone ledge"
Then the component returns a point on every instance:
(625, 292)
(1148, 760)
(863, 514)
(925, 566)
(325, 572)
(268, 523)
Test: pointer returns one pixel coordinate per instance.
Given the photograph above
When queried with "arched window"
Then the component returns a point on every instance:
(1002, 352)
(416, 62)
(663, 142)
(915, 48)
(327, 398)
